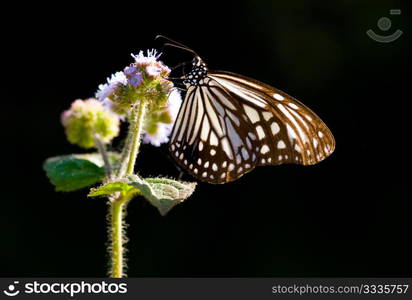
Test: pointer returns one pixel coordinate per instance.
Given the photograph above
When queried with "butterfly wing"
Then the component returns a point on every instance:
(210, 139)
(287, 130)
(229, 124)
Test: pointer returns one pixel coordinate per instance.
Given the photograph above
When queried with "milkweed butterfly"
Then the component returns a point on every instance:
(228, 124)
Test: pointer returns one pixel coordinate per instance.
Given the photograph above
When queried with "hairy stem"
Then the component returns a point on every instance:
(124, 159)
(117, 238)
(102, 150)
(136, 125)
(118, 205)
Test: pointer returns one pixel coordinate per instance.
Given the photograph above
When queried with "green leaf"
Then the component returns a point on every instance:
(163, 193)
(72, 172)
(114, 187)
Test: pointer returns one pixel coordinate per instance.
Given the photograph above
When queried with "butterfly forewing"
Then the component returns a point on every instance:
(288, 131)
(229, 124)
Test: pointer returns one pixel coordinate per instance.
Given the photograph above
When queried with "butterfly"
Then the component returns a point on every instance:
(228, 124)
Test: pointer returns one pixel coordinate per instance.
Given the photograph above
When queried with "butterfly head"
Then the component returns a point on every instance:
(197, 73)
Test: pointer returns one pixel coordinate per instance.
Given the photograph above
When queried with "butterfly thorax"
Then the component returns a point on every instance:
(196, 74)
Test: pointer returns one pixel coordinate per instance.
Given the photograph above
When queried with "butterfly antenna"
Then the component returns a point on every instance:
(181, 47)
(173, 43)
(169, 40)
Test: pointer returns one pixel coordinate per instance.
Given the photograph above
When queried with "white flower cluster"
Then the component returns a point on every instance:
(164, 130)
(132, 76)
(107, 89)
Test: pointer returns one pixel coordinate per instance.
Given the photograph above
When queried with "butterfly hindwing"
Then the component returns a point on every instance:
(212, 138)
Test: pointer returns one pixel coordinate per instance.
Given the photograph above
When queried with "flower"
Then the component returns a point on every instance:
(135, 79)
(174, 103)
(153, 71)
(107, 89)
(151, 57)
(87, 118)
(159, 124)
(161, 135)
(144, 79)
(151, 62)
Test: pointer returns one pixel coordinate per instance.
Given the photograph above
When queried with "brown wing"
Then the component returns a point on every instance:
(229, 124)
(287, 130)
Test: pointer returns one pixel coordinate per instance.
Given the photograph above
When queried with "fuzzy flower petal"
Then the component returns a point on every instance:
(105, 90)
(174, 103)
(144, 60)
(135, 79)
(160, 137)
(163, 130)
(153, 71)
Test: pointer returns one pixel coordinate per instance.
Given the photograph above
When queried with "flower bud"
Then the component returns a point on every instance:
(87, 119)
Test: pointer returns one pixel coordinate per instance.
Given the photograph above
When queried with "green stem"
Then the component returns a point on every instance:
(118, 205)
(136, 125)
(102, 150)
(117, 238)
(124, 159)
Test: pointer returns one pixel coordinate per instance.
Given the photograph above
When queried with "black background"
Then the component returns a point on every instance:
(348, 216)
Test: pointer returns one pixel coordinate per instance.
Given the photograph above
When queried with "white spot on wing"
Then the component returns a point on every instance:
(267, 115)
(252, 113)
(281, 145)
(260, 132)
(245, 154)
(205, 130)
(293, 105)
(275, 128)
(278, 97)
(265, 149)
(213, 139)
(226, 148)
